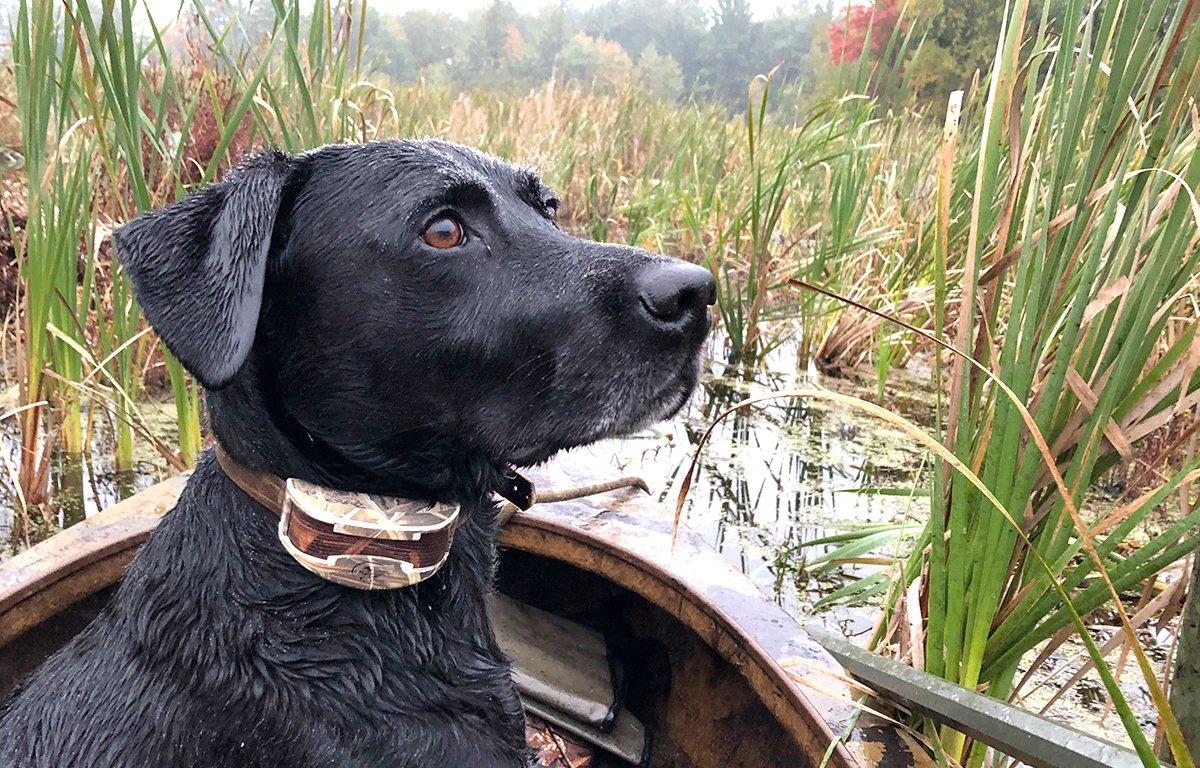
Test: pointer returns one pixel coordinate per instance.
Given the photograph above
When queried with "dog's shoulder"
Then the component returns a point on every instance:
(217, 643)
(121, 693)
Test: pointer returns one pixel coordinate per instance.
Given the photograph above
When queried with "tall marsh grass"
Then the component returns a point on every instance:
(58, 224)
(1065, 243)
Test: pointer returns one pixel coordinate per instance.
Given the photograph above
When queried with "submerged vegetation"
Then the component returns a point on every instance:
(1034, 254)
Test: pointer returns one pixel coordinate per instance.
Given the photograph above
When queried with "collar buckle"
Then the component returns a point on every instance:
(515, 487)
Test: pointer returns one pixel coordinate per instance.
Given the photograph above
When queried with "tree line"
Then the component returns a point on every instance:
(683, 49)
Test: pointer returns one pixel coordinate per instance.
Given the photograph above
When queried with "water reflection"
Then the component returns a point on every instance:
(80, 486)
(784, 472)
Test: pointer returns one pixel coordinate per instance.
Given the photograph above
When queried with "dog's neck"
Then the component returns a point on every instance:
(258, 432)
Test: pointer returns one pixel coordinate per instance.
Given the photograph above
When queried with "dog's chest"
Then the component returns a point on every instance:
(398, 674)
(452, 707)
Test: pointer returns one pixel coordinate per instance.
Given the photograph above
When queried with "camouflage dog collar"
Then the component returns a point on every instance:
(359, 540)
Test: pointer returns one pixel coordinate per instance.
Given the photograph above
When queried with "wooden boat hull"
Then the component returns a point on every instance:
(721, 675)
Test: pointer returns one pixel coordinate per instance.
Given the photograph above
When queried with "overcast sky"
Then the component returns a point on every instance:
(762, 9)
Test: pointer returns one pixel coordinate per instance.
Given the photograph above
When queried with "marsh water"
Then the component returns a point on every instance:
(780, 474)
(80, 485)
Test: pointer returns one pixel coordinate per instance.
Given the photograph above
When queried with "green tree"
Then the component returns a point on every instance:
(551, 35)
(788, 39)
(492, 36)
(961, 40)
(491, 50)
(386, 50)
(730, 63)
(595, 62)
(494, 31)
(677, 28)
(428, 34)
(658, 74)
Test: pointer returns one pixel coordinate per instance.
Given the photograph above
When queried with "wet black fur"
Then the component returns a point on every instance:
(336, 346)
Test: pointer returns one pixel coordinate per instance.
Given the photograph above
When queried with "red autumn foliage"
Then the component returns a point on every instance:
(847, 38)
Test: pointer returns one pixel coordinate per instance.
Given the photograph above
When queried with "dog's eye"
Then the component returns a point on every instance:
(551, 204)
(443, 232)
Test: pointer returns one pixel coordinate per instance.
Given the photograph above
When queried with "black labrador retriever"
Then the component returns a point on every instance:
(402, 318)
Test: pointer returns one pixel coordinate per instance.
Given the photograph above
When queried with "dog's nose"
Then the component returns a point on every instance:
(674, 290)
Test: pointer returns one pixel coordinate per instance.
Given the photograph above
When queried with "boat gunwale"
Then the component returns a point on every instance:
(51, 575)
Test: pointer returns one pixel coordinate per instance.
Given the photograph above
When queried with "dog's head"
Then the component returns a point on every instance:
(403, 291)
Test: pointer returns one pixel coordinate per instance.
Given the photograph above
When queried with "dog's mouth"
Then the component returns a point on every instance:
(667, 401)
(661, 404)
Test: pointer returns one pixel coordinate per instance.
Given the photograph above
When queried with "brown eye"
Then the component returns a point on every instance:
(443, 232)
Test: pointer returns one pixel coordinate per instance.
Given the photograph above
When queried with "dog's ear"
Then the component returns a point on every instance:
(198, 266)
